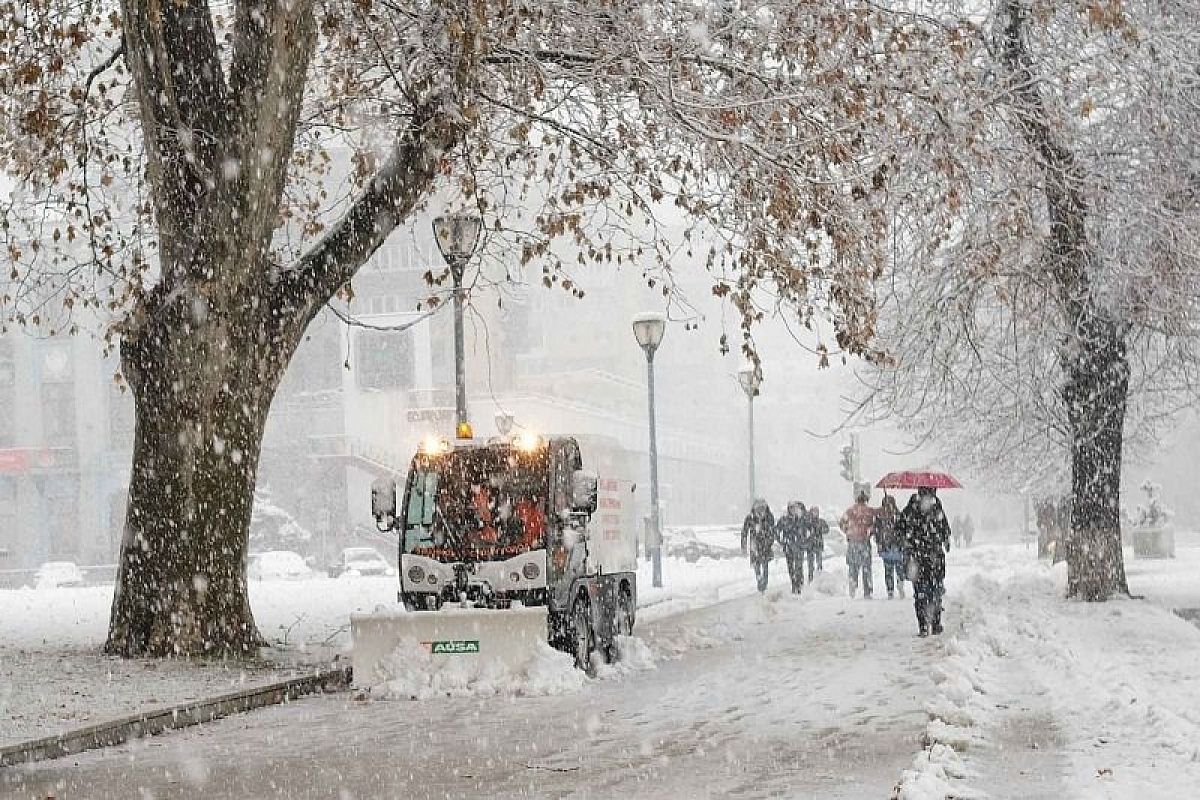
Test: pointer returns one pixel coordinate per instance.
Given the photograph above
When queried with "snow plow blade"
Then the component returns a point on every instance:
(508, 638)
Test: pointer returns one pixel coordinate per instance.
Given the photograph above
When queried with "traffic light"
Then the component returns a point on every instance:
(848, 462)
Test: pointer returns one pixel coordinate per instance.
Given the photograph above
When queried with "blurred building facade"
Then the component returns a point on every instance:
(66, 437)
(357, 400)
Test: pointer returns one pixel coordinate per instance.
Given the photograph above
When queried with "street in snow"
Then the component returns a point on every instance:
(755, 696)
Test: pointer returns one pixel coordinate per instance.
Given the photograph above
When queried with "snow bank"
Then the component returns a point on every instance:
(958, 712)
(1111, 687)
(412, 673)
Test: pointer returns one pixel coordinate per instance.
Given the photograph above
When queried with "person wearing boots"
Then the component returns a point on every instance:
(894, 571)
(814, 547)
(925, 537)
(792, 533)
(857, 524)
(758, 540)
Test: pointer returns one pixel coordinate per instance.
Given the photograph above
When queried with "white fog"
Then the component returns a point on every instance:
(563, 399)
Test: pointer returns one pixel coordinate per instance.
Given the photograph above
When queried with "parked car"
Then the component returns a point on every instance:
(712, 541)
(360, 561)
(277, 565)
(53, 574)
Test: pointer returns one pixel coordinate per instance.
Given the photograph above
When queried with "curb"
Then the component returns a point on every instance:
(181, 715)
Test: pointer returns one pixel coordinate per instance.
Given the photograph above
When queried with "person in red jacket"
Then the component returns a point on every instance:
(856, 524)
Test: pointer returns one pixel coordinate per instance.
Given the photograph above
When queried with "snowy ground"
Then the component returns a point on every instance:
(53, 677)
(758, 697)
(1045, 698)
(1026, 696)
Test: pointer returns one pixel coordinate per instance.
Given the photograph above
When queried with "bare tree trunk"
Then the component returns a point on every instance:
(1096, 395)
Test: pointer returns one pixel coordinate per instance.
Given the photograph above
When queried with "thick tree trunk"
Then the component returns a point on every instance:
(1094, 357)
(1096, 394)
(203, 387)
(205, 347)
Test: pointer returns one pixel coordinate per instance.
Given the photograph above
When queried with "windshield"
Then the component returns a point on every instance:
(481, 504)
(363, 555)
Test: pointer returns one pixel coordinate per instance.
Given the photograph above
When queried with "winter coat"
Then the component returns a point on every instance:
(857, 522)
(884, 531)
(925, 535)
(818, 529)
(792, 532)
(758, 531)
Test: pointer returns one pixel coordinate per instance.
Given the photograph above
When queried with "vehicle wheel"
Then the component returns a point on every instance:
(623, 618)
(583, 638)
(625, 613)
(692, 554)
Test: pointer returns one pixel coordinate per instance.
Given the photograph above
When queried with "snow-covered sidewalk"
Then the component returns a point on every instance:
(53, 676)
(762, 697)
(1041, 697)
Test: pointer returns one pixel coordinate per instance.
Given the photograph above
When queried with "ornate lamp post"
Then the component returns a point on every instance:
(648, 329)
(457, 236)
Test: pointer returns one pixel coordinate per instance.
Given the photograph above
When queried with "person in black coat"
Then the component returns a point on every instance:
(758, 540)
(792, 532)
(814, 548)
(924, 534)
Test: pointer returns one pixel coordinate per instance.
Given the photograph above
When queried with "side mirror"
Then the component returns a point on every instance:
(584, 487)
(383, 503)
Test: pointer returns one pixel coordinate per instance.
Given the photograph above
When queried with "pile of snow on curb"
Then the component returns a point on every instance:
(957, 710)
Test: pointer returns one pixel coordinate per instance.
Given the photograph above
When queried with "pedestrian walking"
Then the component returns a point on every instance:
(758, 540)
(968, 530)
(792, 532)
(890, 551)
(856, 524)
(814, 549)
(925, 536)
(958, 531)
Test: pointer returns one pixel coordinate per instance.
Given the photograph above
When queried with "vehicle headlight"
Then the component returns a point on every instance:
(514, 577)
(530, 571)
(432, 581)
(416, 574)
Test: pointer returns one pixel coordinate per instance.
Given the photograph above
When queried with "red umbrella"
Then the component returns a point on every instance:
(915, 479)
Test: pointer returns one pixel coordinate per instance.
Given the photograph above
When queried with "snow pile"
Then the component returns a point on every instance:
(412, 673)
(958, 711)
(935, 776)
(633, 655)
(829, 582)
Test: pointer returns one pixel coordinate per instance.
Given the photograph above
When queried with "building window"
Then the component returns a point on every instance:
(58, 413)
(384, 359)
(317, 364)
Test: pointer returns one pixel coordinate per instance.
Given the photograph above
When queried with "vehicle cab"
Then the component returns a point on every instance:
(489, 522)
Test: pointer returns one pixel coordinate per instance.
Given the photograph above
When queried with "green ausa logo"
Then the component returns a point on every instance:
(454, 646)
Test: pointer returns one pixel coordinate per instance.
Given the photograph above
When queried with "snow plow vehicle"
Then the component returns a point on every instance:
(503, 544)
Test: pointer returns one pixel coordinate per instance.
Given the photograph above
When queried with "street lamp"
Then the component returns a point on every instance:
(648, 329)
(457, 235)
(750, 377)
